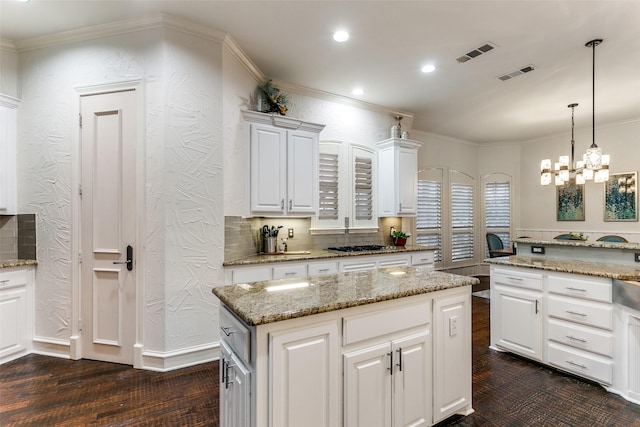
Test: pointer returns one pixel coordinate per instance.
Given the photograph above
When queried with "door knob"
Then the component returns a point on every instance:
(129, 260)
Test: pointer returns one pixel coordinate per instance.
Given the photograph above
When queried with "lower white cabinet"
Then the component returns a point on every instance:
(452, 356)
(516, 312)
(370, 365)
(16, 312)
(389, 384)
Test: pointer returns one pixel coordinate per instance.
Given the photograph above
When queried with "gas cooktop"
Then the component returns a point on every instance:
(361, 248)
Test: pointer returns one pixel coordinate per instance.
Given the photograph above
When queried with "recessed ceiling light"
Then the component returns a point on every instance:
(358, 91)
(341, 36)
(428, 68)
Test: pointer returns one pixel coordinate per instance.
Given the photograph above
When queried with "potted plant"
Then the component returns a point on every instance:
(399, 238)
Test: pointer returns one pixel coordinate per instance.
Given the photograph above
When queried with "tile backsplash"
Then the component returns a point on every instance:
(17, 237)
(242, 235)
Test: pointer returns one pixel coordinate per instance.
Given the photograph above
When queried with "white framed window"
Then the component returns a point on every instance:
(462, 219)
(497, 207)
(429, 211)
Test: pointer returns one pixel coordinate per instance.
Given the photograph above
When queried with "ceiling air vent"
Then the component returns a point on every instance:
(487, 47)
(519, 72)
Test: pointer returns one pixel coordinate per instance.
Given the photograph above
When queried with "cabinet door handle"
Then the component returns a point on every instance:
(576, 313)
(282, 204)
(399, 364)
(390, 368)
(4, 281)
(399, 207)
(290, 204)
(226, 384)
(223, 371)
(571, 362)
(569, 288)
(571, 337)
(537, 302)
(227, 330)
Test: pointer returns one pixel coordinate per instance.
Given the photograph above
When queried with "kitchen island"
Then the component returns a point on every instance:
(355, 349)
(564, 305)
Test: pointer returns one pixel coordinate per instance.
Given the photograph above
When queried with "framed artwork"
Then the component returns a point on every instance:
(621, 197)
(570, 201)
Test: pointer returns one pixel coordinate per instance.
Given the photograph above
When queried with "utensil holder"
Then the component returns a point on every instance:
(269, 245)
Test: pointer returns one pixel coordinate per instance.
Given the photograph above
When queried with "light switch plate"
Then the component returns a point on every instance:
(637, 256)
(539, 250)
(453, 325)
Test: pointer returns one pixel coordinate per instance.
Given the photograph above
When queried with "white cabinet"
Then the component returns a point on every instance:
(16, 312)
(389, 384)
(8, 141)
(347, 195)
(397, 177)
(516, 312)
(235, 389)
(283, 165)
(452, 355)
(304, 376)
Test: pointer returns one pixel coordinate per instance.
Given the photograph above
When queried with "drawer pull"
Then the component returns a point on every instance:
(4, 281)
(576, 313)
(515, 279)
(323, 270)
(227, 330)
(572, 338)
(569, 288)
(571, 362)
(290, 273)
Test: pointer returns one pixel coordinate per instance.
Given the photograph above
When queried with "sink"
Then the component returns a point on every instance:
(627, 293)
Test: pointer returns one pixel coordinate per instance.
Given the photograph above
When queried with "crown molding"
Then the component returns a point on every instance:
(119, 27)
(8, 45)
(236, 51)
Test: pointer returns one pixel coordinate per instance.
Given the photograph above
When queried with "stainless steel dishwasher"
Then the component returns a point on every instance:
(627, 293)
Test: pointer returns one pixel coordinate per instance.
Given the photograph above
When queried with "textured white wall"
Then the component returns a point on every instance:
(9, 73)
(183, 166)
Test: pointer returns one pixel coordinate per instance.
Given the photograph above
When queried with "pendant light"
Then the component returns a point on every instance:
(594, 160)
(565, 168)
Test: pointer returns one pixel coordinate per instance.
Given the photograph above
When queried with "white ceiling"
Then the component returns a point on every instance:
(390, 40)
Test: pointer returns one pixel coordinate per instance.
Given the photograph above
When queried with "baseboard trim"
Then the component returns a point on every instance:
(177, 359)
(52, 347)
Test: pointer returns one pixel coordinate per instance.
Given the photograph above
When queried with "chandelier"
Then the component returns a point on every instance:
(594, 165)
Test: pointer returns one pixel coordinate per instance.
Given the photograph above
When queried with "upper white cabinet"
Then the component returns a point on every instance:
(347, 194)
(283, 165)
(397, 177)
(8, 137)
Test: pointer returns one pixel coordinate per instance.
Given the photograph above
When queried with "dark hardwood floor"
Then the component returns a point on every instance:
(507, 391)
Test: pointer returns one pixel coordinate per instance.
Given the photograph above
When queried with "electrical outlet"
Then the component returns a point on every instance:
(453, 325)
(391, 231)
(291, 233)
(637, 255)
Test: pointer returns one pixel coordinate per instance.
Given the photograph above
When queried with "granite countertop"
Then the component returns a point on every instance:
(17, 263)
(590, 268)
(318, 254)
(276, 300)
(580, 243)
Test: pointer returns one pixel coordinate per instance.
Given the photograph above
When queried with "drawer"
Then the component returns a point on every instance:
(516, 278)
(12, 277)
(234, 333)
(597, 290)
(393, 262)
(422, 258)
(581, 363)
(588, 313)
(317, 269)
(358, 266)
(289, 271)
(380, 323)
(581, 337)
(250, 274)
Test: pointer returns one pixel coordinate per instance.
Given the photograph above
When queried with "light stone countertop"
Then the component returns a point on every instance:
(17, 263)
(589, 268)
(580, 243)
(276, 300)
(318, 254)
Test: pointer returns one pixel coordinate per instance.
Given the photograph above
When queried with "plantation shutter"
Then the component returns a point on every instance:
(363, 194)
(462, 222)
(498, 209)
(328, 186)
(429, 216)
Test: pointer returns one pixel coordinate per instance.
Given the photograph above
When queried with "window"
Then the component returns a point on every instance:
(363, 189)
(328, 187)
(497, 208)
(429, 216)
(462, 241)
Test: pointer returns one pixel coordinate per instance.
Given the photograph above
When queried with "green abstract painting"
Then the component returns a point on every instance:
(570, 201)
(621, 197)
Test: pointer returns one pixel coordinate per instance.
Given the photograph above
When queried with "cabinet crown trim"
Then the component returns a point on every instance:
(281, 121)
(399, 142)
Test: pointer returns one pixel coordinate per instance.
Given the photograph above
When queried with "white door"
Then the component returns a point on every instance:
(268, 163)
(302, 172)
(412, 380)
(234, 390)
(367, 392)
(108, 213)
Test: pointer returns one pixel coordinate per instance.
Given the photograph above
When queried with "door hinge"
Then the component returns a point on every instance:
(80, 120)
(80, 258)
(80, 189)
(80, 325)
